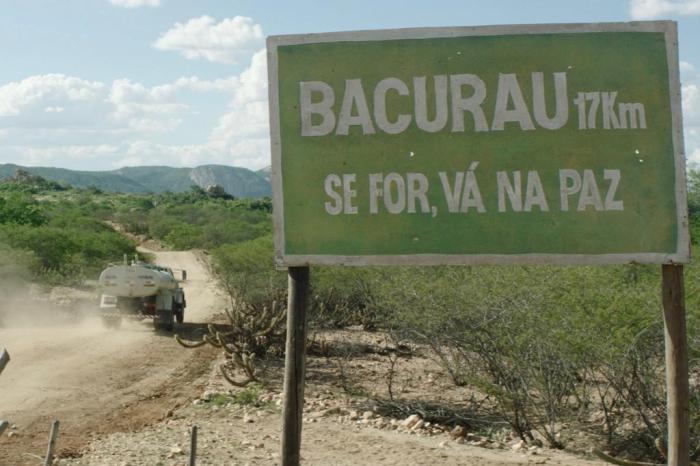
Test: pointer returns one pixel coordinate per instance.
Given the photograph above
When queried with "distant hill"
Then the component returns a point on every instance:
(239, 182)
(106, 181)
(265, 172)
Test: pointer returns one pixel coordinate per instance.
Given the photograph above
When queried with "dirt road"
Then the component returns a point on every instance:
(95, 380)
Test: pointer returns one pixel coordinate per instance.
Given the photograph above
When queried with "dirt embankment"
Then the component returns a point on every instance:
(94, 380)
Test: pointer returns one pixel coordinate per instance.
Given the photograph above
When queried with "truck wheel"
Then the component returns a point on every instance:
(179, 311)
(164, 320)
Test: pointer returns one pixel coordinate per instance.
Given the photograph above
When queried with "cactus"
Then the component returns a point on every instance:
(252, 332)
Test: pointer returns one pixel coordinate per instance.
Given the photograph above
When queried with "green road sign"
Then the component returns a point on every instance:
(488, 145)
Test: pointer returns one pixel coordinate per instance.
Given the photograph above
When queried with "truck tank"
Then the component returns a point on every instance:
(135, 281)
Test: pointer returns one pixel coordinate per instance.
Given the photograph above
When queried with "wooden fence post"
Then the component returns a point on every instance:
(52, 443)
(294, 366)
(4, 359)
(193, 446)
(676, 366)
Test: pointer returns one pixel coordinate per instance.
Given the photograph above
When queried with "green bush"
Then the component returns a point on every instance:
(247, 272)
(257, 307)
(195, 219)
(343, 296)
(549, 345)
(20, 209)
(15, 267)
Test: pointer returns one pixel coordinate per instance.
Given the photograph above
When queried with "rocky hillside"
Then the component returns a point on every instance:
(239, 182)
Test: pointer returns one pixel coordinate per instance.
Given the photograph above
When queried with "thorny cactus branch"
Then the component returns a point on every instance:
(251, 333)
(189, 344)
(620, 462)
(659, 444)
(233, 382)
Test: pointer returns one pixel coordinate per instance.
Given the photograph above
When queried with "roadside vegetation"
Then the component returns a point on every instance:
(555, 352)
(552, 351)
(54, 236)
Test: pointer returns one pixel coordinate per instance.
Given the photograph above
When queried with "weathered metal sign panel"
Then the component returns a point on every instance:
(489, 145)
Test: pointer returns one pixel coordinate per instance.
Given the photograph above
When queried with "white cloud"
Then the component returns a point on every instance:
(146, 110)
(63, 104)
(690, 95)
(135, 3)
(244, 130)
(650, 9)
(224, 42)
(252, 83)
(240, 136)
(36, 93)
(65, 121)
(691, 103)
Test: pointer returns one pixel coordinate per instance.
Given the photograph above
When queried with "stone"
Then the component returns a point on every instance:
(353, 415)
(176, 450)
(316, 414)
(519, 445)
(418, 425)
(458, 431)
(410, 421)
(335, 410)
(367, 415)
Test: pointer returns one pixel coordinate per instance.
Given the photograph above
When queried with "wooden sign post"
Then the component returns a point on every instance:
(676, 365)
(295, 364)
(555, 144)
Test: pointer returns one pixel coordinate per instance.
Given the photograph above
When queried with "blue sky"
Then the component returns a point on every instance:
(99, 84)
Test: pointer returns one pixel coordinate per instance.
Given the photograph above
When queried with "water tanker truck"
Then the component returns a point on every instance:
(139, 290)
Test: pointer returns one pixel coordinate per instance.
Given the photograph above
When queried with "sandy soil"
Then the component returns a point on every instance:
(95, 380)
(231, 434)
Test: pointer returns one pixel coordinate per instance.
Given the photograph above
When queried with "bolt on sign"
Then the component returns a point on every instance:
(479, 145)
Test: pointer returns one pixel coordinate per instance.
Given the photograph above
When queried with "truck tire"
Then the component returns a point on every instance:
(164, 320)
